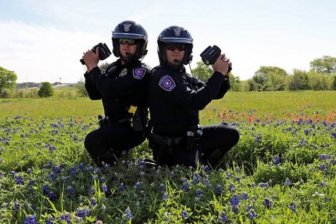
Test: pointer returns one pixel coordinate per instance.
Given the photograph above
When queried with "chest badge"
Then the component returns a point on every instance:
(167, 83)
(123, 72)
(139, 73)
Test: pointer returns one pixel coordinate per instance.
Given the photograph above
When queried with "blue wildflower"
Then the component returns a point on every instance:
(252, 214)
(323, 167)
(218, 190)
(223, 218)
(66, 218)
(292, 207)
(185, 186)
(71, 190)
(287, 182)
(276, 160)
(267, 203)
(185, 214)
(93, 202)
(19, 180)
(199, 194)
(30, 220)
(128, 214)
(105, 188)
(196, 178)
(232, 188)
(234, 200)
(244, 196)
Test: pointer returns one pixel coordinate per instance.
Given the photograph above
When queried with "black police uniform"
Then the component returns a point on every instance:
(120, 87)
(175, 99)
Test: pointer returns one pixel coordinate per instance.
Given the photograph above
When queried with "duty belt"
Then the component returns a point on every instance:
(165, 140)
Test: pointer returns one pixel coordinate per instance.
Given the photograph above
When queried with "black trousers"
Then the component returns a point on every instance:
(107, 143)
(214, 143)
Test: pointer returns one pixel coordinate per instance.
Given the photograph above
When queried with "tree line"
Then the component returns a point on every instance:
(321, 76)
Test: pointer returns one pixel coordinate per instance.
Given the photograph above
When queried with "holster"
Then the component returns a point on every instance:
(140, 119)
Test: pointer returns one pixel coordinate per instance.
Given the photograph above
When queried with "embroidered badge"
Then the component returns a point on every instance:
(177, 31)
(123, 72)
(127, 27)
(167, 83)
(139, 73)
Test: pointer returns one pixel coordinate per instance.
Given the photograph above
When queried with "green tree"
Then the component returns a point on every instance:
(270, 78)
(317, 81)
(298, 81)
(7, 82)
(326, 65)
(333, 85)
(202, 71)
(45, 90)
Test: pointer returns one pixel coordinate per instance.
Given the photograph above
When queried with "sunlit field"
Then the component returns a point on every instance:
(281, 171)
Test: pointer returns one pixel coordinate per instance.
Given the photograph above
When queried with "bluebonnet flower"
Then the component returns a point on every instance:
(228, 175)
(16, 206)
(333, 162)
(196, 178)
(276, 160)
(19, 180)
(324, 157)
(73, 171)
(218, 190)
(287, 182)
(165, 195)
(206, 169)
(258, 139)
(223, 218)
(252, 214)
(71, 190)
(66, 218)
(128, 214)
(232, 188)
(199, 194)
(333, 135)
(52, 196)
(141, 164)
(45, 189)
(267, 203)
(93, 202)
(185, 214)
(82, 213)
(185, 186)
(105, 188)
(323, 167)
(162, 187)
(323, 184)
(30, 220)
(292, 207)
(244, 196)
(234, 200)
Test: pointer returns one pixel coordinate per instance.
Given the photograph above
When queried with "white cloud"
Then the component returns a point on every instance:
(44, 53)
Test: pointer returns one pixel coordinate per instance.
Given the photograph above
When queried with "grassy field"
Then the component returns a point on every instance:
(281, 171)
(235, 106)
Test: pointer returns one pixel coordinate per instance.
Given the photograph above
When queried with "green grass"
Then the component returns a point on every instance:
(281, 171)
(235, 105)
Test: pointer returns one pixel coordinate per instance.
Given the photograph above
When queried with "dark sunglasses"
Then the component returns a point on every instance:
(173, 47)
(127, 41)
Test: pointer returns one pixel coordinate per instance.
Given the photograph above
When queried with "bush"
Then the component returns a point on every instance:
(45, 90)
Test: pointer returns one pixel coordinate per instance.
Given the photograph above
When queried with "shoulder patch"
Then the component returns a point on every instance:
(167, 83)
(139, 73)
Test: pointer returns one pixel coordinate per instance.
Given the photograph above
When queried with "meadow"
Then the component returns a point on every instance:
(281, 171)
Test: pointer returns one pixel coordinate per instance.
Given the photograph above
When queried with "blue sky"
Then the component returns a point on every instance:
(43, 40)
